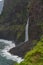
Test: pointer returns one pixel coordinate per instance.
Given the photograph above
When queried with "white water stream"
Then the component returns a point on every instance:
(1, 5)
(26, 31)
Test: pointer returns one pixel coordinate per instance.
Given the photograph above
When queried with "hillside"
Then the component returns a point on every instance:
(14, 18)
(35, 56)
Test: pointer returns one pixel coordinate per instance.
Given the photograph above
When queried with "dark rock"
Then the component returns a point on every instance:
(22, 49)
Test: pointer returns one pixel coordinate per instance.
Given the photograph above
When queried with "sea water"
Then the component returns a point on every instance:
(5, 57)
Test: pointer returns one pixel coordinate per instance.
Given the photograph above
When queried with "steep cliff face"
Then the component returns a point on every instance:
(36, 19)
(35, 27)
(13, 20)
(14, 12)
(36, 12)
(14, 17)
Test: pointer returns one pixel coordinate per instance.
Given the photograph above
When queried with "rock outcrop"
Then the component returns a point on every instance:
(22, 49)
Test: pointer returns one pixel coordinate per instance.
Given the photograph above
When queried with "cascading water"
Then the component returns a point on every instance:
(1, 5)
(26, 31)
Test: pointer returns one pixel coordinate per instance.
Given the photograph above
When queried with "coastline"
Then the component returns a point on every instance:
(22, 49)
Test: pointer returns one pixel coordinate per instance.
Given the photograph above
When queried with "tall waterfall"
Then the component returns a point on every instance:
(1, 5)
(26, 31)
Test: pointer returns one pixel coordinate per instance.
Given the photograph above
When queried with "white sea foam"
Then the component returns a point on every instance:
(6, 54)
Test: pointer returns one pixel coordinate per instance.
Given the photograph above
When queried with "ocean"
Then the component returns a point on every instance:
(5, 57)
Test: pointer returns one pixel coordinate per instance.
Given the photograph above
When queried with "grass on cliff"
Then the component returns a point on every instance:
(35, 56)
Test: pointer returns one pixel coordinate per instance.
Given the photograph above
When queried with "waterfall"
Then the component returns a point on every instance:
(1, 5)
(26, 31)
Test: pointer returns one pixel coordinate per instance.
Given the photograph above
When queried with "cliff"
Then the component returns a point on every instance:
(35, 27)
(14, 17)
(13, 20)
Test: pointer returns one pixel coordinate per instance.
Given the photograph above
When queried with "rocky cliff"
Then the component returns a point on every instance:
(35, 10)
(14, 17)
(13, 20)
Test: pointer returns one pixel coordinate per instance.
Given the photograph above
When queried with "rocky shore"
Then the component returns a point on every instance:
(22, 49)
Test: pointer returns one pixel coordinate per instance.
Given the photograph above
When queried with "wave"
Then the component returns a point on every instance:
(4, 52)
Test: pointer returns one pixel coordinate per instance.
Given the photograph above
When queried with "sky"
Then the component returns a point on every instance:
(0, 0)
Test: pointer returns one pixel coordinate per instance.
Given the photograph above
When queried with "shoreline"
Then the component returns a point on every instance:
(22, 49)
(4, 52)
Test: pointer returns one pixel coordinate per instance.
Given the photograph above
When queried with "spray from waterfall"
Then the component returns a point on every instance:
(26, 31)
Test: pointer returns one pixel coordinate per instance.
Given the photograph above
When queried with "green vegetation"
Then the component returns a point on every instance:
(35, 56)
(17, 30)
